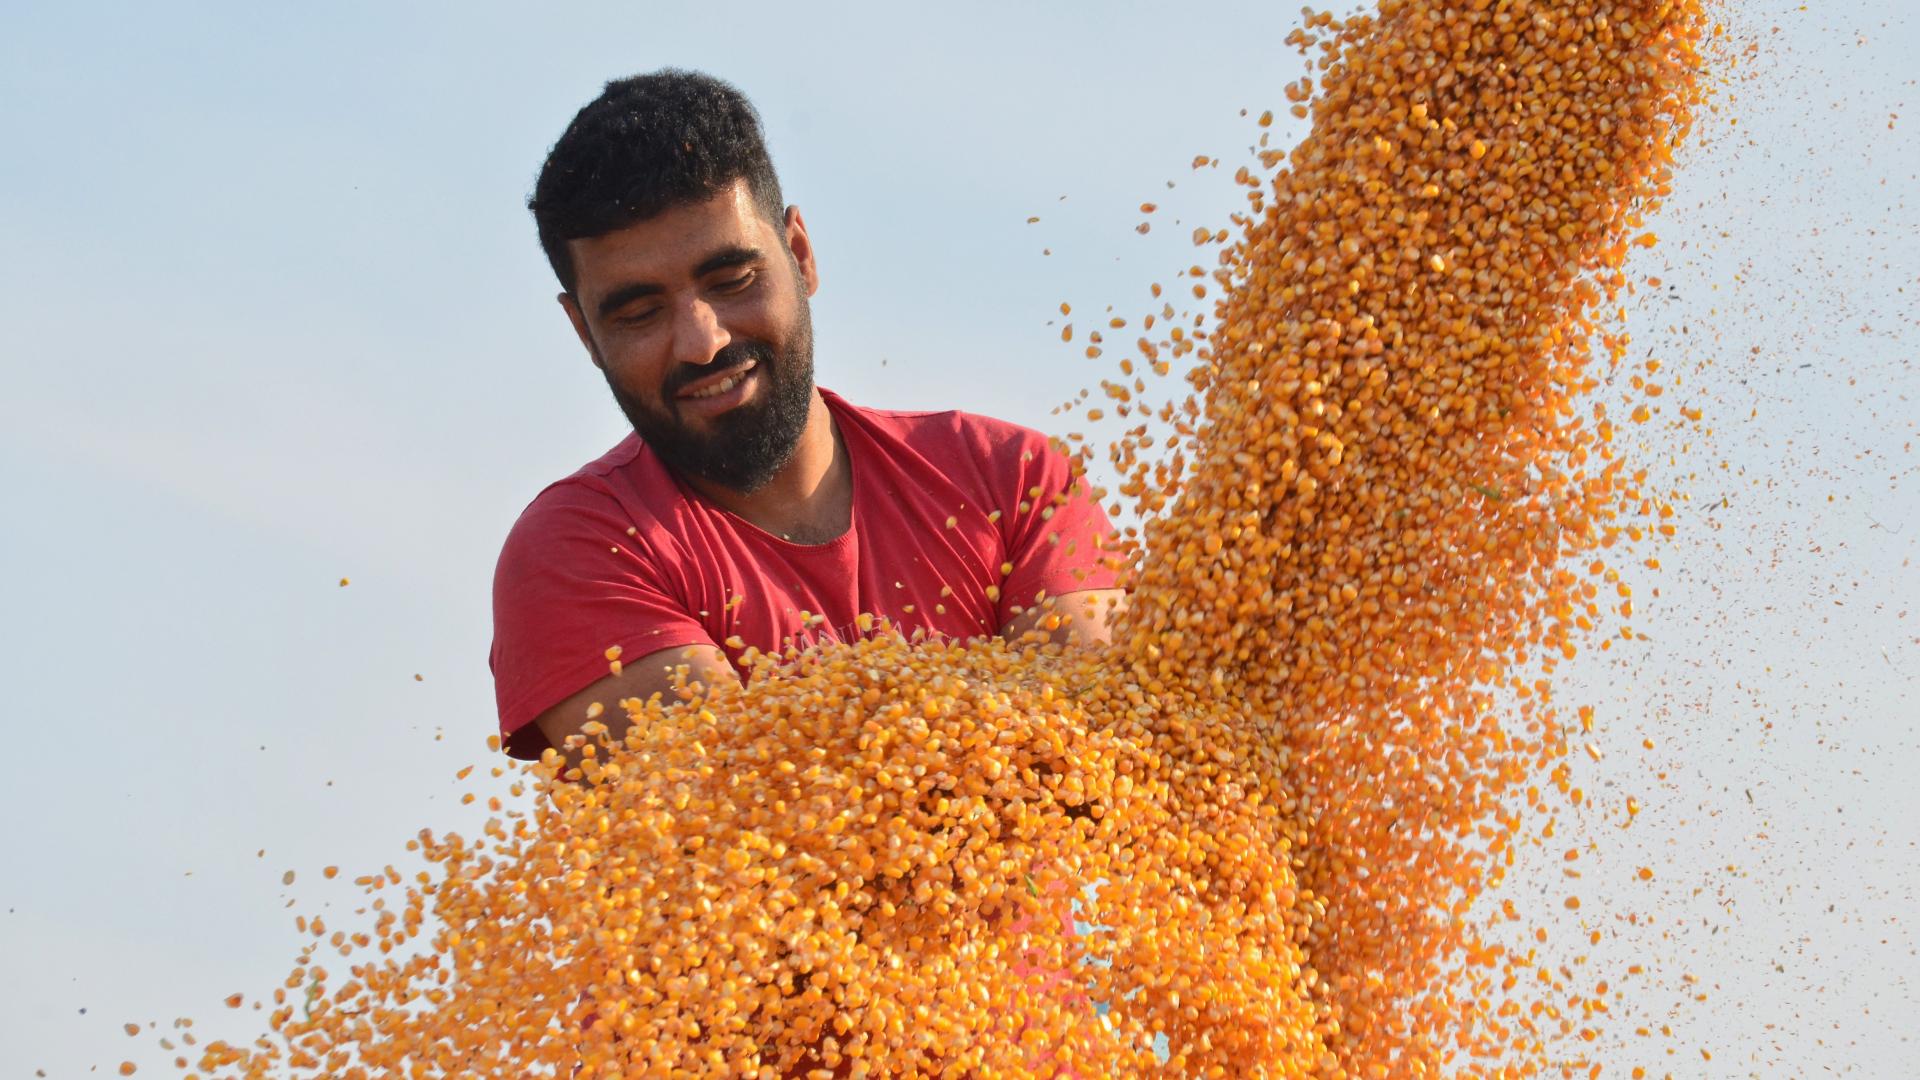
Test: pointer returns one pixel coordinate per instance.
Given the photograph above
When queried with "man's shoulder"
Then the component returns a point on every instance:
(588, 494)
(949, 429)
(621, 457)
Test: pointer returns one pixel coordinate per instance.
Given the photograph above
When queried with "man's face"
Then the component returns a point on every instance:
(698, 317)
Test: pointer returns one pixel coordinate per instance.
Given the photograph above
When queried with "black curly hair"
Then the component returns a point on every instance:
(647, 143)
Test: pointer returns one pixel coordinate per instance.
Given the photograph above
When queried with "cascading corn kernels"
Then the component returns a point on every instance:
(1254, 827)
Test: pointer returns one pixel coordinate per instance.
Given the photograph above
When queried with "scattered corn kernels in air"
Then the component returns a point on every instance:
(1247, 839)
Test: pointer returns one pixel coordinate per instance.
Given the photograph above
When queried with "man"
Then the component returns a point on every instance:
(750, 509)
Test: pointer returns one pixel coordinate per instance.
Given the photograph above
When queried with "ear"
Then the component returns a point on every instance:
(579, 321)
(802, 247)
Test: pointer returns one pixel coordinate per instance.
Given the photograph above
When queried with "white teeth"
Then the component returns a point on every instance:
(720, 387)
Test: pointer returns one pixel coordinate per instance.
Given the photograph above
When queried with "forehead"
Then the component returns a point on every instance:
(667, 247)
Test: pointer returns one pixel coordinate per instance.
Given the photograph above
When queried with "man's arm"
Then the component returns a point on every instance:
(651, 674)
(1077, 618)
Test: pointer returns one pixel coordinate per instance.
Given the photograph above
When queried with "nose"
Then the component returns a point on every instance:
(697, 333)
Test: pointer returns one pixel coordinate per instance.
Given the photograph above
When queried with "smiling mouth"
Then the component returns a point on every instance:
(715, 386)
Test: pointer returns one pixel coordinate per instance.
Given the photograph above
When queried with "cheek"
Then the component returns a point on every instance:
(770, 315)
(632, 363)
(634, 384)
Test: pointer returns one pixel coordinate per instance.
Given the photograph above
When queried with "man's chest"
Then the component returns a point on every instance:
(902, 563)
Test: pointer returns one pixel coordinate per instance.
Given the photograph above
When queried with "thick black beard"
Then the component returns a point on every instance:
(748, 446)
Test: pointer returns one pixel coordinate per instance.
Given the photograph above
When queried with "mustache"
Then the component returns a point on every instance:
(734, 355)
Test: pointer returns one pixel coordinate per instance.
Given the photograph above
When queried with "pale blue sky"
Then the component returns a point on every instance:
(272, 313)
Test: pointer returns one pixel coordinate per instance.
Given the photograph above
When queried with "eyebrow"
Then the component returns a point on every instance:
(724, 259)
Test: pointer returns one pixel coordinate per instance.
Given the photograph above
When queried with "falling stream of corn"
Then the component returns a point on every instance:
(1260, 834)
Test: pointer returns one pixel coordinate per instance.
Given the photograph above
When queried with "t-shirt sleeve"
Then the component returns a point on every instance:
(570, 584)
(1058, 537)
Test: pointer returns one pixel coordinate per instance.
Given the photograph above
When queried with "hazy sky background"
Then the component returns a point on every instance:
(272, 314)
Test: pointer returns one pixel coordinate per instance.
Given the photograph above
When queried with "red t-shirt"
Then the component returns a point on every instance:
(622, 553)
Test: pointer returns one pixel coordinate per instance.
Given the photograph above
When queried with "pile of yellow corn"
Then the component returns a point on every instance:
(1248, 839)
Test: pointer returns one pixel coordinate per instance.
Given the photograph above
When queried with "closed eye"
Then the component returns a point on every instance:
(735, 285)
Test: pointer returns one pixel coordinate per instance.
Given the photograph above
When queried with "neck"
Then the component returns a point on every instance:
(810, 500)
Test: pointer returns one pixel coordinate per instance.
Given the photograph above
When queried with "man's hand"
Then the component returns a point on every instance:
(1076, 618)
(649, 675)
